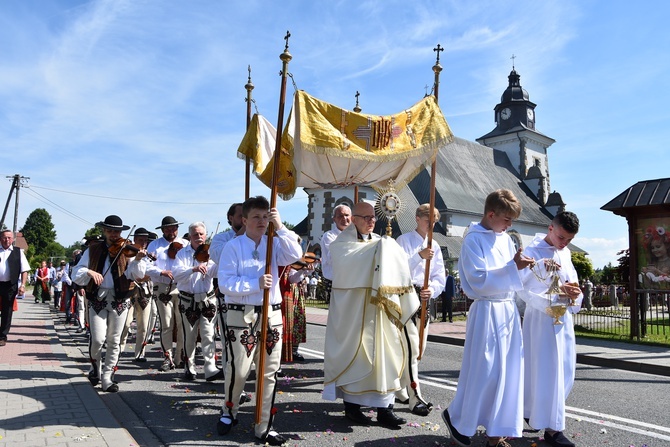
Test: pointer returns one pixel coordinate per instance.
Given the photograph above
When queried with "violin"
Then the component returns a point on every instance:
(307, 259)
(173, 248)
(127, 249)
(202, 253)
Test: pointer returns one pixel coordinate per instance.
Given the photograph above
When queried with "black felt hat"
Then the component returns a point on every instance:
(141, 231)
(168, 221)
(113, 222)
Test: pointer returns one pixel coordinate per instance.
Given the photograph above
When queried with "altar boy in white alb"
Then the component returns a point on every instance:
(490, 385)
(416, 247)
(549, 348)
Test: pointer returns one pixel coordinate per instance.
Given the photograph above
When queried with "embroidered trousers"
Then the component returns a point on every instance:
(199, 316)
(106, 317)
(243, 327)
(410, 376)
(167, 303)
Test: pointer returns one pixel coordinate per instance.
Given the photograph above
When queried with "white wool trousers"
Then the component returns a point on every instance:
(107, 318)
(243, 334)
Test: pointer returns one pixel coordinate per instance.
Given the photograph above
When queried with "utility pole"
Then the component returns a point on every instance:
(16, 186)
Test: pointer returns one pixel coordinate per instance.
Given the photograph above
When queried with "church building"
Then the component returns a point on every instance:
(514, 155)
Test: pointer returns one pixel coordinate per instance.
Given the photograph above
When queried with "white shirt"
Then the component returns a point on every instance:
(412, 243)
(242, 264)
(80, 272)
(326, 263)
(188, 280)
(218, 242)
(163, 261)
(4, 267)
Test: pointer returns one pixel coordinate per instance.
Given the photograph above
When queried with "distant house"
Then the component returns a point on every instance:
(513, 156)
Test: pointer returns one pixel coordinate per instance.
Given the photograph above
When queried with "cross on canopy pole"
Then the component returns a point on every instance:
(437, 68)
(247, 162)
(262, 341)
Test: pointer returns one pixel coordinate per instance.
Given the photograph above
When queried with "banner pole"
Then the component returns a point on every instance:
(260, 371)
(247, 162)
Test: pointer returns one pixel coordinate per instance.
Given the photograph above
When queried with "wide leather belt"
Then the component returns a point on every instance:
(257, 309)
(191, 295)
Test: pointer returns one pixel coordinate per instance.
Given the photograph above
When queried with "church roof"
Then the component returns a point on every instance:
(521, 127)
(467, 173)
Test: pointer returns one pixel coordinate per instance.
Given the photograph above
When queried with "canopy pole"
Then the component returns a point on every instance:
(262, 342)
(437, 68)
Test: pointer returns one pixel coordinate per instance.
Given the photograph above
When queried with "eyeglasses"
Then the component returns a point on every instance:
(368, 219)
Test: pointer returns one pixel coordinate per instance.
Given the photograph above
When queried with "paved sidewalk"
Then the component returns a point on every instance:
(45, 397)
(605, 353)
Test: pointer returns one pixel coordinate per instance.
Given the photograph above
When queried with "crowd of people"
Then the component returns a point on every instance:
(244, 286)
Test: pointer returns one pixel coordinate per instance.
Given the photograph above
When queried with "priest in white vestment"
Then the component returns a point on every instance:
(549, 349)
(372, 298)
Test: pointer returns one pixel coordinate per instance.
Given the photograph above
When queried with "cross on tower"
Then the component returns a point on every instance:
(438, 49)
(357, 95)
(513, 57)
(288, 34)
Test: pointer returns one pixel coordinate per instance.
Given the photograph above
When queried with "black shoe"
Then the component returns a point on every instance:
(353, 413)
(558, 439)
(273, 438)
(189, 376)
(93, 377)
(217, 376)
(298, 357)
(167, 365)
(244, 398)
(141, 359)
(223, 428)
(422, 409)
(387, 418)
(462, 440)
(79, 330)
(532, 430)
(113, 388)
(280, 373)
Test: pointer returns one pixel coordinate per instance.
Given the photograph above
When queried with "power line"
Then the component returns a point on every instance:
(43, 199)
(131, 200)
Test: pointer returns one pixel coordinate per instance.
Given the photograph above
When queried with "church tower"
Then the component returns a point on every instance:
(515, 135)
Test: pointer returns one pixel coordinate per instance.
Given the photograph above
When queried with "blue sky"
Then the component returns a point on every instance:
(143, 101)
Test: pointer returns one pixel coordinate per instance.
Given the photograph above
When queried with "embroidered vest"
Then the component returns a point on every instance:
(124, 285)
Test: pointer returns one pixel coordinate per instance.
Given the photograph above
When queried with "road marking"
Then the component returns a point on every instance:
(596, 418)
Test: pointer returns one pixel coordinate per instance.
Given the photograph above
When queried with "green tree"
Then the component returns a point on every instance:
(609, 274)
(54, 252)
(623, 269)
(582, 264)
(39, 231)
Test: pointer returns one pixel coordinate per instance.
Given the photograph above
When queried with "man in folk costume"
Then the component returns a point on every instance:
(549, 349)
(243, 280)
(341, 220)
(165, 250)
(14, 270)
(108, 285)
(372, 299)
(415, 246)
(193, 270)
(219, 241)
(140, 302)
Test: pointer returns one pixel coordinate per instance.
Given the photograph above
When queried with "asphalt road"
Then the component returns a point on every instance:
(606, 407)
